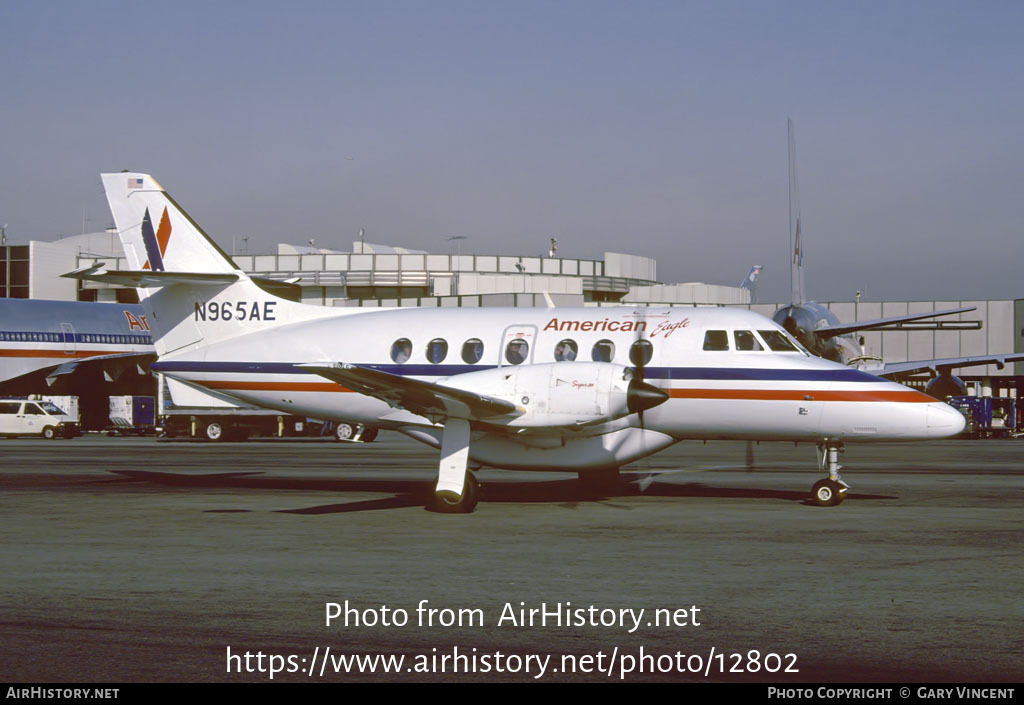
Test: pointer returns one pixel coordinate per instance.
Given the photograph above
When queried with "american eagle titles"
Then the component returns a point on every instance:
(596, 326)
(663, 328)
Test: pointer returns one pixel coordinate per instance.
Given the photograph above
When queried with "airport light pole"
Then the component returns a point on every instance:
(455, 270)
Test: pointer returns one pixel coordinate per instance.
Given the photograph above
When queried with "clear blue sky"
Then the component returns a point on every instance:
(655, 128)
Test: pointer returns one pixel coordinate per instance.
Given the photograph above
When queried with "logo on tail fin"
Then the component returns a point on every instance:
(156, 243)
(798, 255)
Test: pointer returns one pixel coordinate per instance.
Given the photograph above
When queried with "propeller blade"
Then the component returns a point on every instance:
(640, 395)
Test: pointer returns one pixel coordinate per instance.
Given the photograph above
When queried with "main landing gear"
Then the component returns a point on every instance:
(830, 491)
(450, 503)
(457, 490)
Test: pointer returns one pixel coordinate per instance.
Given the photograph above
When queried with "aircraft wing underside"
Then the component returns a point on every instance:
(435, 401)
(112, 361)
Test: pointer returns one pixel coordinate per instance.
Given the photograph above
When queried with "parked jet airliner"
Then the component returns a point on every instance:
(53, 339)
(821, 332)
(579, 389)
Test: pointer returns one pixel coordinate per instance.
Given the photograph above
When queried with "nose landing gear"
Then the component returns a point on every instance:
(831, 491)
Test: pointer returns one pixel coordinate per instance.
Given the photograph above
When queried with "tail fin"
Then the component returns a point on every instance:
(796, 288)
(157, 234)
(193, 294)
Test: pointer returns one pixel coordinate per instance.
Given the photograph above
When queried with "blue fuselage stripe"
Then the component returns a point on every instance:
(665, 373)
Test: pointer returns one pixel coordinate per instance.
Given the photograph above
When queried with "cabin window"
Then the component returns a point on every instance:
(745, 340)
(640, 352)
(401, 350)
(603, 351)
(517, 351)
(716, 340)
(566, 351)
(437, 350)
(472, 351)
(777, 341)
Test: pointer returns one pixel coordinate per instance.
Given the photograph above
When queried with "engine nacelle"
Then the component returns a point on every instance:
(562, 393)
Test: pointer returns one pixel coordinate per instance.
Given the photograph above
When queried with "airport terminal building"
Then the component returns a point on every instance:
(381, 276)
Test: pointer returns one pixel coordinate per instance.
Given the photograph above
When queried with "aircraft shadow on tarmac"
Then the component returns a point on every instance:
(567, 493)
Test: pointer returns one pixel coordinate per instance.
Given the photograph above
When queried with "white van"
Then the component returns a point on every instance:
(27, 417)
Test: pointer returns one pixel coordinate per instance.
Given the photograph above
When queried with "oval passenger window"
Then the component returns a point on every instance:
(401, 350)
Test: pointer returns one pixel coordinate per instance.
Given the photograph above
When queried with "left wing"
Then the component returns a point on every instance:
(141, 359)
(423, 398)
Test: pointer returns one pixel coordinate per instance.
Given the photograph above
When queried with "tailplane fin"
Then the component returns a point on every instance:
(796, 288)
(157, 234)
(193, 293)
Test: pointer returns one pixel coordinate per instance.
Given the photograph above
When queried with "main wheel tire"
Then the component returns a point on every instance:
(49, 433)
(827, 493)
(344, 431)
(214, 431)
(369, 433)
(465, 505)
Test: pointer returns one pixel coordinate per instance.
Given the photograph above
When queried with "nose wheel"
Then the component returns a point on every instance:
(832, 490)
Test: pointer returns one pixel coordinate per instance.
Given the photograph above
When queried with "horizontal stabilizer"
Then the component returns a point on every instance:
(423, 398)
(149, 279)
(826, 332)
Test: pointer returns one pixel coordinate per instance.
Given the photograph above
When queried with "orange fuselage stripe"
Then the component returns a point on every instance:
(876, 395)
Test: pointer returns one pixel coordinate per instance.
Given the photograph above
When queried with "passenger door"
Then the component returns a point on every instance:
(517, 345)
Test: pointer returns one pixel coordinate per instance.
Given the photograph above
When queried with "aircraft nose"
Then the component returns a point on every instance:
(944, 421)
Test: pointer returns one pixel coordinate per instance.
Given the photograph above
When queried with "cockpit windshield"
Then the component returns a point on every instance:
(780, 342)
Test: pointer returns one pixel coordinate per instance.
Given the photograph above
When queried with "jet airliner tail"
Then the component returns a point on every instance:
(796, 284)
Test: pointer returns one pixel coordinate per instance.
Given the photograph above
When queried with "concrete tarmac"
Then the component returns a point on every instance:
(130, 560)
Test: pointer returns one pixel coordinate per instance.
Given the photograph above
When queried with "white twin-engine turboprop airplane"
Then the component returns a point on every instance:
(577, 389)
